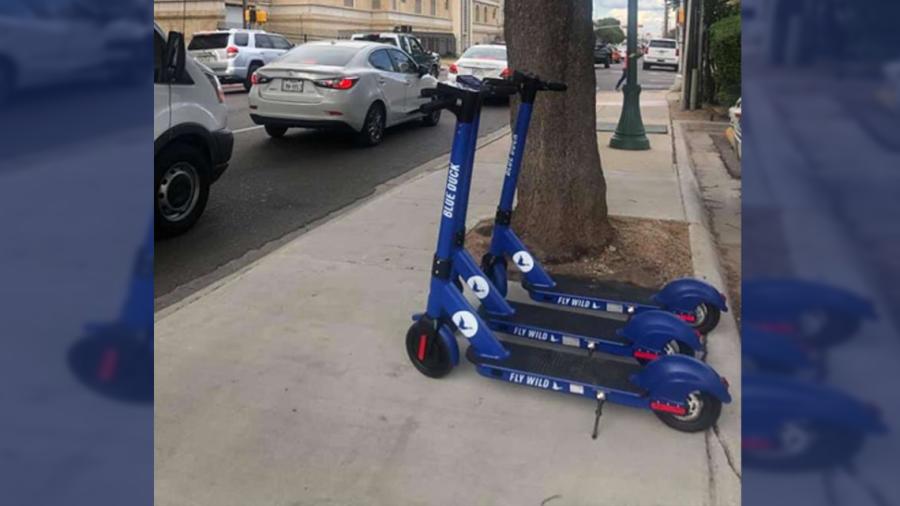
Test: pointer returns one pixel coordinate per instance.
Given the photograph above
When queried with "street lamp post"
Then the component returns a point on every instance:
(630, 133)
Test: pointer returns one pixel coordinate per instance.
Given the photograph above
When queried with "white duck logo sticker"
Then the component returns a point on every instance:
(465, 322)
(523, 261)
(479, 286)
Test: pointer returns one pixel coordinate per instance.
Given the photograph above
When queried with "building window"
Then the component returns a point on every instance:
(376, 4)
(447, 5)
(434, 7)
(418, 6)
(477, 14)
(348, 3)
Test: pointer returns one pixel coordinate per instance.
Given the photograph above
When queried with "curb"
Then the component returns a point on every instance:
(186, 294)
(724, 441)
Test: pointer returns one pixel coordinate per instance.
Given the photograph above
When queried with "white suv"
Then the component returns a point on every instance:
(234, 55)
(191, 142)
(661, 52)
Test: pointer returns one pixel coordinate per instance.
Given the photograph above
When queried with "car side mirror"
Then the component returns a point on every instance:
(405, 68)
(175, 57)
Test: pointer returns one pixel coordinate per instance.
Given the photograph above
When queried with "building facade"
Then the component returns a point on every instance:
(445, 26)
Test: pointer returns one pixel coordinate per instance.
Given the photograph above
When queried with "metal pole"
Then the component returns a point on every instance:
(687, 51)
(699, 63)
(630, 133)
(665, 28)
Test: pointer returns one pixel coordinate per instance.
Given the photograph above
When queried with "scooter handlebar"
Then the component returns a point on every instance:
(555, 86)
(519, 77)
(500, 87)
(434, 105)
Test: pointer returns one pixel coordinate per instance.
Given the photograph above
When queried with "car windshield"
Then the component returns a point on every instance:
(670, 44)
(486, 53)
(209, 41)
(316, 54)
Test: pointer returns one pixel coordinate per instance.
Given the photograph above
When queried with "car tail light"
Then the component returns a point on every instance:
(453, 69)
(257, 78)
(338, 83)
(505, 73)
(232, 51)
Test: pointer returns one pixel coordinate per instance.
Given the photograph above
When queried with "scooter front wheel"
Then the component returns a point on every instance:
(702, 412)
(706, 318)
(427, 351)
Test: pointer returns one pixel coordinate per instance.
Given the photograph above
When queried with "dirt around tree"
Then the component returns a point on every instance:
(643, 251)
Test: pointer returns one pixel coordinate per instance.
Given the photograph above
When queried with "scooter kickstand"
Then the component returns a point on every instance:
(601, 398)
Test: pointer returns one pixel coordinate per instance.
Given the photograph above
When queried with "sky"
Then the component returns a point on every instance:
(650, 13)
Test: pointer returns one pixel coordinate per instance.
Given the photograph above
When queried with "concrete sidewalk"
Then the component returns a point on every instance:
(287, 383)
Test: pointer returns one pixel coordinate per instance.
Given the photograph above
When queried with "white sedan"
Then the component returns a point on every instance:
(487, 60)
(363, 87)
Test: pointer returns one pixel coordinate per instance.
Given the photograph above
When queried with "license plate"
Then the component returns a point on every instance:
(292, 85)
(660, 60)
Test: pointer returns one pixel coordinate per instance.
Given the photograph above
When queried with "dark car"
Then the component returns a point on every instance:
(603, 54)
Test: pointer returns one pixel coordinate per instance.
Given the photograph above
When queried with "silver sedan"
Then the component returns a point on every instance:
(362, 87)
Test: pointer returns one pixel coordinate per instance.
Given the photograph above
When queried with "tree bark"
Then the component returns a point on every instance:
(561, 208)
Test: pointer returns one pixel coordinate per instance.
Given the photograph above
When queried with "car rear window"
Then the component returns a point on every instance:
(241, 39)
(486, 53)
(209, 41)
(336, 56)
(376, 38)
(669, 44)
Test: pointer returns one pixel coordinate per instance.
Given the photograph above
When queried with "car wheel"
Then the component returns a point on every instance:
(432, 119)
(275, 131)
(247, 80)
(373, 128)
(181, 188)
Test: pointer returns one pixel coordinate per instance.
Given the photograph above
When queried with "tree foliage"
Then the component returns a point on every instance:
(609, 30)
(725, 58)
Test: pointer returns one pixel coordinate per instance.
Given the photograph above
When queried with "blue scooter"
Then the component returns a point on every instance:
(683, 392)
(644, 337)
(697, 303)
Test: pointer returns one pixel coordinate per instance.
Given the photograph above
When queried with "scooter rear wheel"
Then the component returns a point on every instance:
(427, 351)
(702, 413)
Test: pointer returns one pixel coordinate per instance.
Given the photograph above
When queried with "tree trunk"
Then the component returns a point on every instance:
(561, 208)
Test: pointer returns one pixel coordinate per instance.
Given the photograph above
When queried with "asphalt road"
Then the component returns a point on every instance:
(274, 187)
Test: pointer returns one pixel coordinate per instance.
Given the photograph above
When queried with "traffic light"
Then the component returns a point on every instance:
(255, 16)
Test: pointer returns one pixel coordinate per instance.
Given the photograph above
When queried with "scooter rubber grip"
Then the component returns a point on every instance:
(500, 87)
(554, 86)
